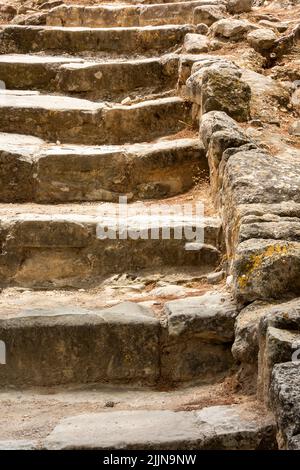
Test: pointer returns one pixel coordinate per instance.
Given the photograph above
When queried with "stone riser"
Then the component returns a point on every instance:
(66, 174)
(118, 345)
(39, 249)
(91, 80)
(123, 16)
(70, 120)
(118, 41)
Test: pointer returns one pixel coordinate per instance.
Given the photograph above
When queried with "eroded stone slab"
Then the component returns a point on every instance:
(210, 317)
(224, 427)
(64, 173)
(74, 120)
(118, 344)
(285, 401)
(27, 39)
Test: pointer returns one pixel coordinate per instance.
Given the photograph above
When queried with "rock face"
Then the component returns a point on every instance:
(266, 333)
(73, 173)
(244, 179)
(279, 341)
(262, 39)
(210, 317)
(200, 334)
(209, 14)
(215, 85)
(232, 29)
(196, 43)
(285, 392)
(223, 91)
(239, 6)
(108, 341)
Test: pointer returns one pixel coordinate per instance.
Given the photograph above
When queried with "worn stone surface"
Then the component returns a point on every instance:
(60, 246)
(210, 317)
(253, 338)
(221, 427)
(209, 14)
(26, 39)
(223, 91)
(32, 172)
(195, 43)
(245, 347)
(266, 268)
(124, 15)
(200, 333)
(232, 29)
(73, 120)
(279, 340)
(266, 94)
(262, 39)
(285, 393)
(122, 66)
(92, 79)
(116, 344)
(239, 6)
(213, 122)
(18, 445)
(215, 85)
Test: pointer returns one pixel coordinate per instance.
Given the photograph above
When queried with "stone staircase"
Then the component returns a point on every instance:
(92, 112)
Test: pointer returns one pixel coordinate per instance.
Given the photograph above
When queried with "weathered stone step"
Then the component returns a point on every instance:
(235, 427)
(102, 16)
(47, 408)
(224, 427)
(109, 79)
(73, 120)
(137, 40)
(33, 171)
(80, 343)
(69, 245)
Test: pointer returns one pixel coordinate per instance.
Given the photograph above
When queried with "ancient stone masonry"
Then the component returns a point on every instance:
(115, 118)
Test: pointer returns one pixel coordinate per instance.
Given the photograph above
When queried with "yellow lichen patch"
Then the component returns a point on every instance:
(256, 261)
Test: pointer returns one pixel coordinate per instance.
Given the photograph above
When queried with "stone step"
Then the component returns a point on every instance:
(227, 427)
(105, 80)
(223, 427)
(77, 40)
(78, 343)
(72, 244)
(73, 120)
(33, 171)
(220, 427)
(29, 417)
(107, 16)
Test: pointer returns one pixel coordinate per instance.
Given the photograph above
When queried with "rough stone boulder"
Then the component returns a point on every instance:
(285, 402)
(209, 14)
(200, 334)
(245, 347)
(251, 330)
(232, 29)
(223, 91)
(265, 94)
(215, 85)
(279, 341)
(262, 39)
(281, 27)
(266, 268)
(210, 317)
(213, 122)
(239, 6)
(196, 43)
